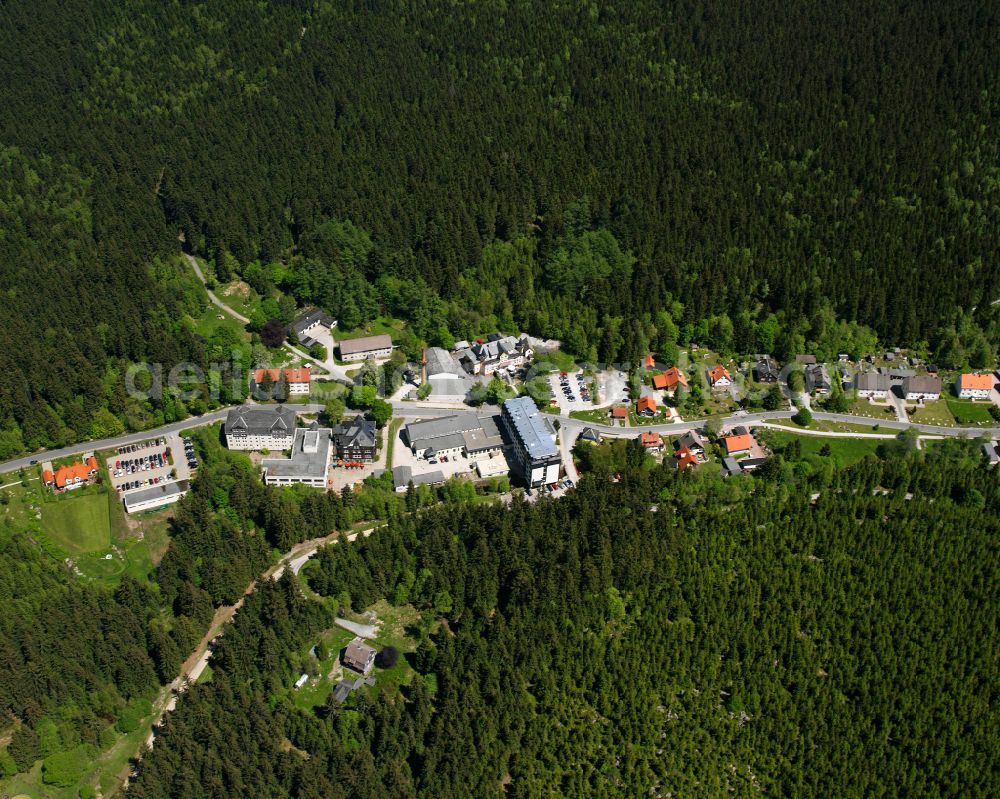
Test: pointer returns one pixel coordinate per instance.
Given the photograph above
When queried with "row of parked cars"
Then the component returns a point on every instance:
(548, 489)
(142, 463)
(581, 385)
(192, 459)
(129, 448)
(149, 481)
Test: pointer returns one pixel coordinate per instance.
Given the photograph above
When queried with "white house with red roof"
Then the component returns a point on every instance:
(299, 378)
(974, 386)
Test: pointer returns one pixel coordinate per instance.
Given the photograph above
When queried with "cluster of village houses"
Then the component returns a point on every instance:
(519, 441)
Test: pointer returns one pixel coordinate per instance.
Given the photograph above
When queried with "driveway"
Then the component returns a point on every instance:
(897, 403)
(567, 438)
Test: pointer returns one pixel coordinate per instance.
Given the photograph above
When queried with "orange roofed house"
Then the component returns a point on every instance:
(669, 380)
(651, 442)
(646, 406)
(298, 378)
(719, 377)
(72, 476)
(973, 386)
(739, 441)
(619, 412)
(685, 458)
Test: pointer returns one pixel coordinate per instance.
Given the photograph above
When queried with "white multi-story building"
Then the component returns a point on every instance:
(252, 427)
(157, 496)
(535, 454)
(922, 388)
(872, 385)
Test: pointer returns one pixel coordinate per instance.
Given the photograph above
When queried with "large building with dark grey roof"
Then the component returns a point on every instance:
(310, 322)
(256, 427)
(356, 440)
(360, 349)
(533, 442)
(463, 434)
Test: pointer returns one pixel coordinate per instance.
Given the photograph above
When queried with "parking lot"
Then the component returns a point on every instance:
(571, 391)
(151, 462)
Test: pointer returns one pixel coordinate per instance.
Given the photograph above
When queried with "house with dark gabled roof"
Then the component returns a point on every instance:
(817, 379)
(359, 656)
(308, 323)
(693, 442)
(766, 370)
(361, 349)
(922, 388)
(356, 440)
(872, 384)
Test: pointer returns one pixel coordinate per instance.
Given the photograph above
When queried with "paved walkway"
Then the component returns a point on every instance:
(211, 294)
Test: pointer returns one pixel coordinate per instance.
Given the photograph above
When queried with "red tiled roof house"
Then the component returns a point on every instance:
(669, 380)
(651, 442)
(719, 377)
(298, 378)
(72, 476)
(646, 406)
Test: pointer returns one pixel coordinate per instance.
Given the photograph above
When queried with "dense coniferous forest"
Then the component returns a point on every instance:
(735, 161)
(669, 634)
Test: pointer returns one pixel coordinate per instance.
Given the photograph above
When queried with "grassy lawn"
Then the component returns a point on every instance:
(931, 413)
(862, 407)
(967, 412)
(378, 326)
(206, 324)
(640, 421)
(597, 416)
(78, 524)
(557, 361)
(844, 450)
(397, 628)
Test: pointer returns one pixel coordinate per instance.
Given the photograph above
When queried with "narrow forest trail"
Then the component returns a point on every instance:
(211, 294)
(194, 665)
